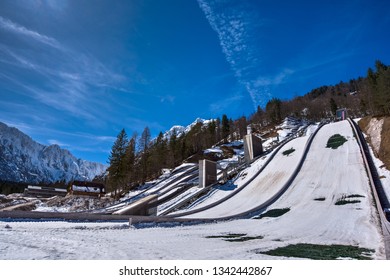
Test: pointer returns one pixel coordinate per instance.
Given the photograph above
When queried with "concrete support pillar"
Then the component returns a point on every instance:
(253, 147)
(140, 207)
(152, 211)
(207, 173)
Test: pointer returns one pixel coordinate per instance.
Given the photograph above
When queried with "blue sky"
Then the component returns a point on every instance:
(75, 72)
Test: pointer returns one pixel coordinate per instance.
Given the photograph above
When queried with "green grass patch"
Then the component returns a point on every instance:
(336, 141)
(321, 252)
(229, 235)
(244, 238)
(288, 152)
(319, 199)
(236, 237)
(354, 195)
(345, 199)
(273, 213)
(343, 202)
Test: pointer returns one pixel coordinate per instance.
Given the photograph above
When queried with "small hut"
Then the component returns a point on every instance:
(341, 114)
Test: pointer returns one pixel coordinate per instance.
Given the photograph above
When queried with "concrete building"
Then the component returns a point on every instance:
(207, 173)
(253, 147)
(341, 114)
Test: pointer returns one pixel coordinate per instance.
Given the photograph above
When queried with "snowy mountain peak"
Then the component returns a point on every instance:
(24, 160)
(179, 130)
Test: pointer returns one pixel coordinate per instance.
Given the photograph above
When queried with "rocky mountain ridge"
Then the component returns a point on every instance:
(24, 160)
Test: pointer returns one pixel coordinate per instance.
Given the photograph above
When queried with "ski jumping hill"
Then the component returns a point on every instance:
(313, 190)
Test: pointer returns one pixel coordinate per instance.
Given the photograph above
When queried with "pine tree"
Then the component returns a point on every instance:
(117, 168)
(363, 107)
(218, 130)
(130, 163)
(145, 139)
(383, 88)
(333, 106)
(159, 155)
(273, 108)
(232, 129)
(211, 134)
(172, 149)
(379, 83)
(242, 126)
(225, 130)
(145, 154)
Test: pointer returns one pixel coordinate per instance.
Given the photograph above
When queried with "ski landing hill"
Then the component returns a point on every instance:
(316, 186)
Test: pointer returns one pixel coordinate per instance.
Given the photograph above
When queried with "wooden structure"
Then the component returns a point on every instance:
(45, 192)
(87, 188)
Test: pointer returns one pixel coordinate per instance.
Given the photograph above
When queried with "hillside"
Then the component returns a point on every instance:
(24, 160)
(378, 132)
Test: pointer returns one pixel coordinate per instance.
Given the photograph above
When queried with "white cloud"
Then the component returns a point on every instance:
(57, 5)
(235, 27)
(74, 82)
(280, 78)
(21, 30)
(222, 104)
(167, 98)
(56, 142)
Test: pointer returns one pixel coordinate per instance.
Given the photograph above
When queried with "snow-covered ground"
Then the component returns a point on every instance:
(327, 176)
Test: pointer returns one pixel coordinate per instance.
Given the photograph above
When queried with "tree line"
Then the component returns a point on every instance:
(137, 159)
(363, 96)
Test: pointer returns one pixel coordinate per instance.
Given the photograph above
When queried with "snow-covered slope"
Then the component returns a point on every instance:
(263, 187)
(23, 159)
(327, 177)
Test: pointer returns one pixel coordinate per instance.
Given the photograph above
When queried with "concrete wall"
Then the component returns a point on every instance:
(140, 207)
(207, 173)
(253, 147)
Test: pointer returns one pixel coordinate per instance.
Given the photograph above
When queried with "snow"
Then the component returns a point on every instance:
(178, 130)
(178, 198)
(263, 187)
(213, 150)
(160, 186)
(329, 174)
(326, 173)
(219, 192)
(85, 189)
